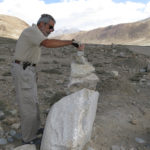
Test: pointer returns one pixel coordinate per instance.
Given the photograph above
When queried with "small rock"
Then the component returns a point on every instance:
(3, 141)
(142, 81)
(114, 50)
(133, 122)
(139, 140)
(13, 112)
(9, 121)
(12, 132)
(142, 70)
(10, 139)
(15, 126)
(122, 54)
(115, 73)
(133, 103)
(18, 136)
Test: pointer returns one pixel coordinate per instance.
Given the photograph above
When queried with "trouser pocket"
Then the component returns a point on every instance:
(27, 79)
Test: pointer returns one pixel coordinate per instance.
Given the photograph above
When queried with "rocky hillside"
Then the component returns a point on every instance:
(11, 27)
(137, 33)
(123, 111)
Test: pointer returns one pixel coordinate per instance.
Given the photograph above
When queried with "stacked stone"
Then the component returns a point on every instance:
(70, 120)
(82, 74)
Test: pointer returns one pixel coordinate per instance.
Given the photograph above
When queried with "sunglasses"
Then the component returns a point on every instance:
(51, 27)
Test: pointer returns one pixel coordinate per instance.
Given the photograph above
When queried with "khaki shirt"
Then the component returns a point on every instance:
(28, 45)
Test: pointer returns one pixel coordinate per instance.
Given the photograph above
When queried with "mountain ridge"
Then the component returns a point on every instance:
(11, 27)
(136, 33)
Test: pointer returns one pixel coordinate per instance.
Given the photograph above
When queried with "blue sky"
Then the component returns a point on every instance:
(81, 14)
(51, 1)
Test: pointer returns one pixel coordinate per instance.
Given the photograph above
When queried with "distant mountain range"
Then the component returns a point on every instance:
(136, 33)
(11, 27)
(63, 31)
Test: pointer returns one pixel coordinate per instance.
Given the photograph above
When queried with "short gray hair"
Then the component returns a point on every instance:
(45, 18)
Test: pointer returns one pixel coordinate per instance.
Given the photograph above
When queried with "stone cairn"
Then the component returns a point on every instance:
(70, 120)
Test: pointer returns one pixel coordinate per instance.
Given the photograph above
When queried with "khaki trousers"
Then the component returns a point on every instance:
(26, 96)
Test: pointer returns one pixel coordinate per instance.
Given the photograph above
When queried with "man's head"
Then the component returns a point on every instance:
(46, 24)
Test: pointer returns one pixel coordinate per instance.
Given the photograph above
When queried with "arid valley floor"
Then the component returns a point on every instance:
(123, 111)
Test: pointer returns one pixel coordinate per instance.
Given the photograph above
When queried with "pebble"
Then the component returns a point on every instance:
(142, 70)
(13, 112)
(18, 136)
(115, 73)
(133, 122)
(10, 139)
(139, 140)
(15, 126)
(3, 141)
(12, 132)
(9, 121)
(122, 54)
(142, 81)
(114, 50)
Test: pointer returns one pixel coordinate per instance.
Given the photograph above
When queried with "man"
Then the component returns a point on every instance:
(26, 57)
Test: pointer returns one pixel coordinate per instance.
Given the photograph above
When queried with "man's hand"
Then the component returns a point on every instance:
(77, 45)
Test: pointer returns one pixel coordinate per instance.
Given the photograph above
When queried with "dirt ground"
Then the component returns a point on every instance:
(123, 113)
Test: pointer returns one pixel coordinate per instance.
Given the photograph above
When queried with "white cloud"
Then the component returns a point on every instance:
(82, 14)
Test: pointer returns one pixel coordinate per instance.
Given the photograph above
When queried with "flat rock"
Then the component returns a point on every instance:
(89, 81)
(81, 70)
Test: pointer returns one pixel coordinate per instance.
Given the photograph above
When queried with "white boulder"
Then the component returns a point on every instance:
(70, 121)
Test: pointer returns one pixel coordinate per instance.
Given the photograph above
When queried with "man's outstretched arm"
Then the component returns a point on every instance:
(54, 43)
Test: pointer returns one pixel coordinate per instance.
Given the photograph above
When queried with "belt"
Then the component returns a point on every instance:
(25, 64)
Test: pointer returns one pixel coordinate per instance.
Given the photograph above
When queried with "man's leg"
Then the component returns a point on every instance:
(26, 93)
